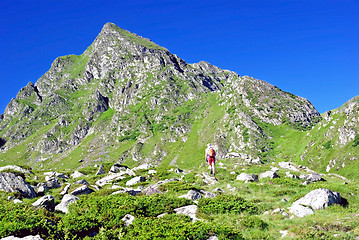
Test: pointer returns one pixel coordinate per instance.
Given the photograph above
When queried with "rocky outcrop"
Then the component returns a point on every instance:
(9, 182)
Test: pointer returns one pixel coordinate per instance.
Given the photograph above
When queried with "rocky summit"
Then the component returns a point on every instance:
(110, 142)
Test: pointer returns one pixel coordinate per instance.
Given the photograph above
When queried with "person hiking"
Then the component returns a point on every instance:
(211, 158)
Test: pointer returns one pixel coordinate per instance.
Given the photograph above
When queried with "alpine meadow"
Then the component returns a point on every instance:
(110, 144)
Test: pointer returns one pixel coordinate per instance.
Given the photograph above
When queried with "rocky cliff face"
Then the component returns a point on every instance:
(128, 99)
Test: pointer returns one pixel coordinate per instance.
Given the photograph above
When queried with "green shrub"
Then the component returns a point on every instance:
(94, 214)
(21, 220)
(226, 204)
(177, 227)
(177, 186)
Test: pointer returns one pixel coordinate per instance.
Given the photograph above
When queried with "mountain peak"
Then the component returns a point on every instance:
(110, 29)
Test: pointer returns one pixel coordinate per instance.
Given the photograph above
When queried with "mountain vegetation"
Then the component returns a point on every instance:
(127, 102)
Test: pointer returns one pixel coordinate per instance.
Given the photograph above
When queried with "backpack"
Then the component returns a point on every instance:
(211, 152)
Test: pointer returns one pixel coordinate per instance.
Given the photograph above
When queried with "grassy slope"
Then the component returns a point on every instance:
(102, 211)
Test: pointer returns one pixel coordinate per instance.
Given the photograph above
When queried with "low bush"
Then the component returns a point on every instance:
(177, 227)
(226, 204)
(104, 213)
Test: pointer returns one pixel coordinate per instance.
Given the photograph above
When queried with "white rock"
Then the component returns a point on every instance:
(76, 174)
(142, 167)
(66, 201)
(317, 199)
(135, 180)
(247, 177)
(189, 210)
(37, 237)
(128, 219)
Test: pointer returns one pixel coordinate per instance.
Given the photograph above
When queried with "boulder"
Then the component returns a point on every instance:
(100, 170)
(119, 168)
(47, 202)
(269, 174)
(130, 191)
(14, 168)
(41, 188)
(109, 178)
(128, 219)
(77, 174)
(317, 199)
(152, 189)
(288, 165)
(66, 189)
(9, 182)
(288, 174)
(151, 172)
(65, 203)
(247, 177)
(314, 177)
(135, 180)
(82, 181)
(37, 237)
(17, 201)
(53, 182)
(189, 210)
(81, 190)
(144, 166)
(192, 195)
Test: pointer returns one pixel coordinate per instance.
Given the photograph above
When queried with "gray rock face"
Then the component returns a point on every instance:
(247, 177)
(47, 202)
(9, 182)
(317, 199)
(66, 201)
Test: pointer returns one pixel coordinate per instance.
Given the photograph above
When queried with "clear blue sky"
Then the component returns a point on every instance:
(308, 48)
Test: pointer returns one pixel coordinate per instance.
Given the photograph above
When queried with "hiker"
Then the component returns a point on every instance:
(211, 157)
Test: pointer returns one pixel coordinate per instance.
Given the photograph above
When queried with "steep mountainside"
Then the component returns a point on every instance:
(127, 99)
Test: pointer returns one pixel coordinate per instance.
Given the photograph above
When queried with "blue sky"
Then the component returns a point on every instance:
(308, 48)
